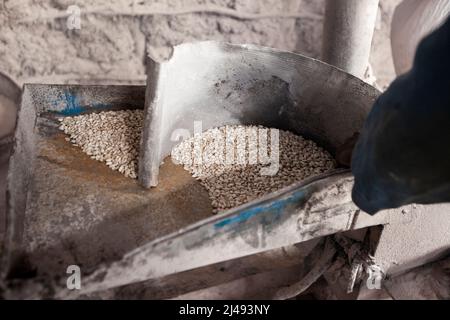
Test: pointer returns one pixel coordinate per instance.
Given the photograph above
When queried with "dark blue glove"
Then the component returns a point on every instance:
(403, 152)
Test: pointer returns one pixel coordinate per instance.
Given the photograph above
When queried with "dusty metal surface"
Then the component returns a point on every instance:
(64, 208)
(218, 274)
(5, 150)
(347, 34)
(304, 211)
(99, 203)
(216, 84)
(10, 92)
(77, 210)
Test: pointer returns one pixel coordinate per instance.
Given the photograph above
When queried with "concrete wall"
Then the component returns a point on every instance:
(37, 46)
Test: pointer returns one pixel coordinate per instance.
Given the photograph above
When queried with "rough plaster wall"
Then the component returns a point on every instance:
(112, 47)
(36, 46)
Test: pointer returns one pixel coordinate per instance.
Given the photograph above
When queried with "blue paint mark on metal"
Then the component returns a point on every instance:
(73, 105)
(277, 206)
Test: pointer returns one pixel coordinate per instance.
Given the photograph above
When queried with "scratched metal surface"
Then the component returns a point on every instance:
(78, 211)
(65, 208)
(213, 83)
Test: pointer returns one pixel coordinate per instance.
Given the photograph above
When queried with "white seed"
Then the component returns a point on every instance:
(111, 137)
(230, 184)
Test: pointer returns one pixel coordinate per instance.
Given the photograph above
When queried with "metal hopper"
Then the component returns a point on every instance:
(129, 241)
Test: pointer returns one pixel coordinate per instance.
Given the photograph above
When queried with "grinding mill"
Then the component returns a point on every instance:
(160, 242)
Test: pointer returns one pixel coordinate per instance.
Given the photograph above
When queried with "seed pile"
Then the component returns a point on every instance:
(232, 184)
(232, 162)
(111, 137)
